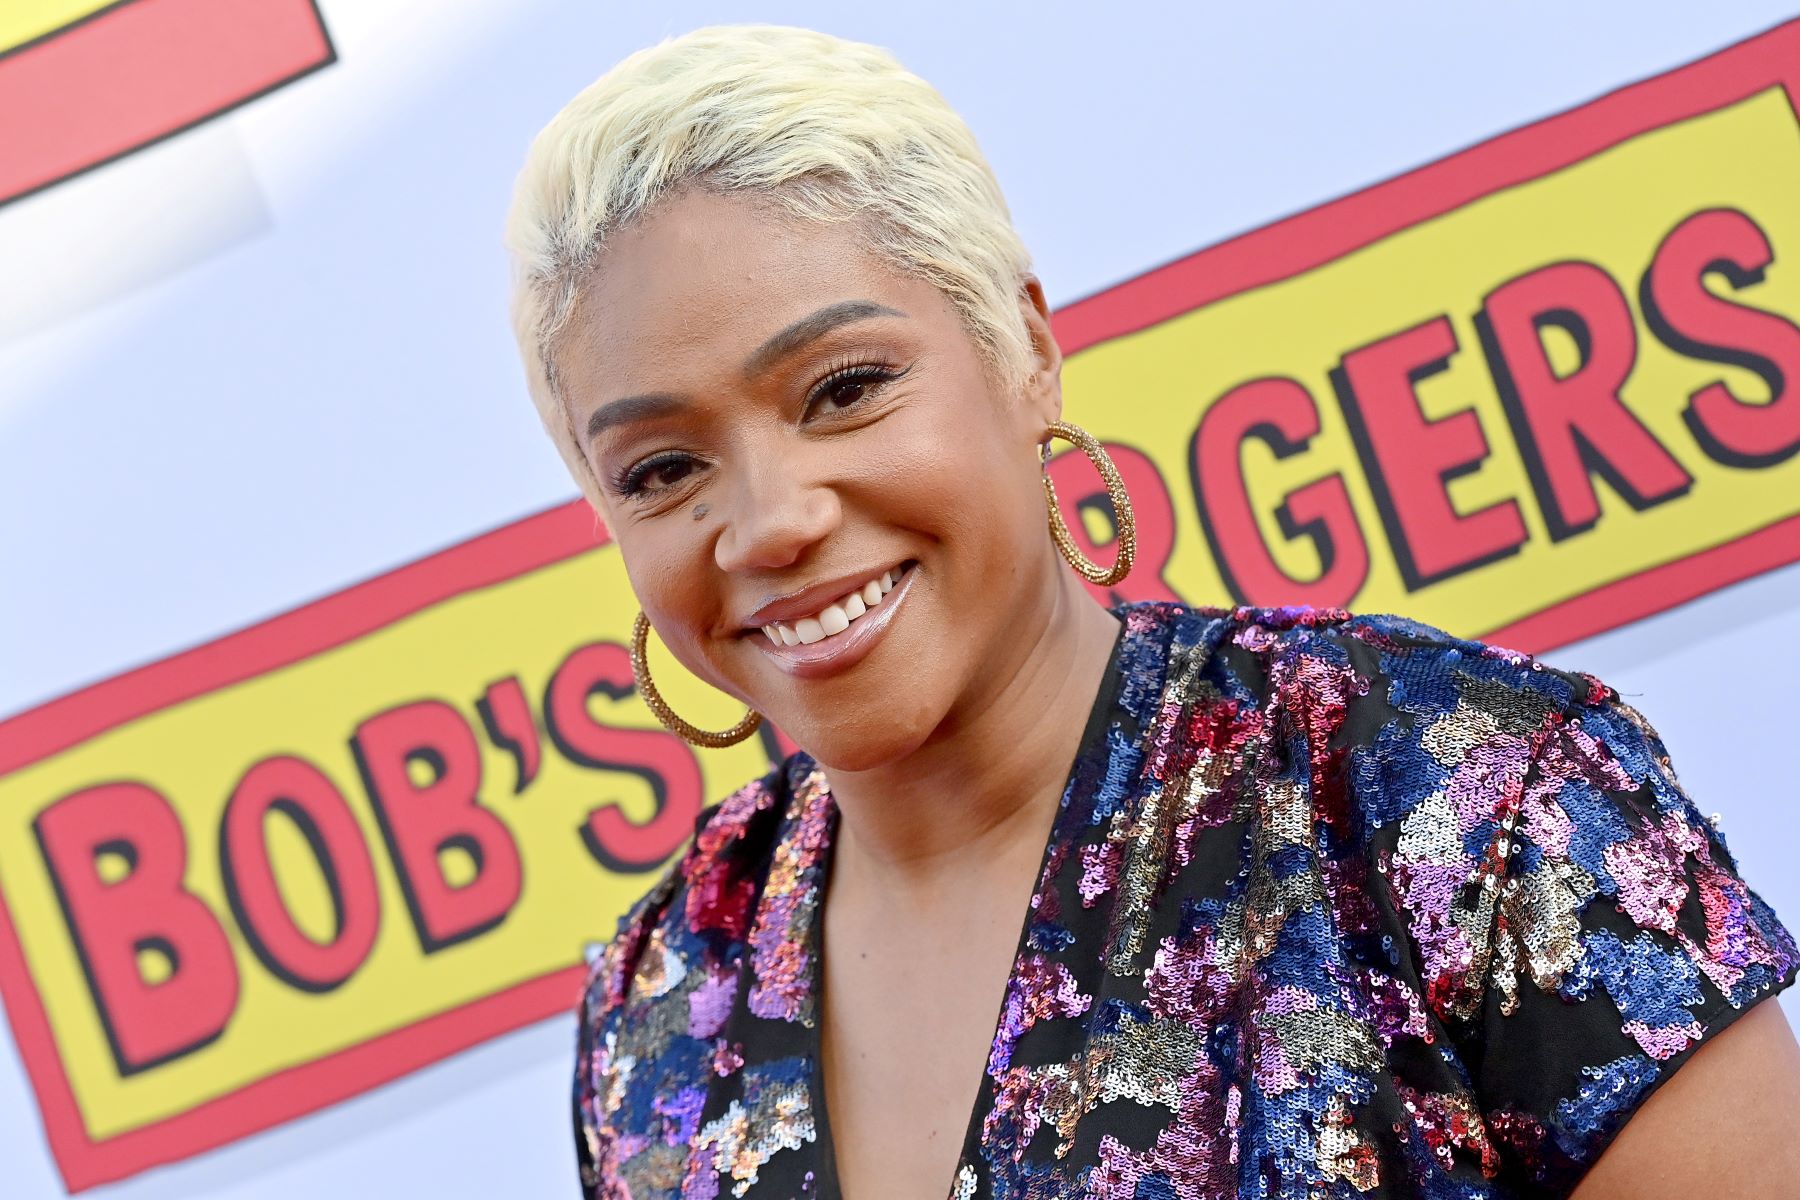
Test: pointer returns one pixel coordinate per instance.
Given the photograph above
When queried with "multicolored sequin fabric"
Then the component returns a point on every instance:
(1334, 906)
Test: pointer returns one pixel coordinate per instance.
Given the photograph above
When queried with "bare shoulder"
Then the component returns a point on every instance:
(1722, 1125)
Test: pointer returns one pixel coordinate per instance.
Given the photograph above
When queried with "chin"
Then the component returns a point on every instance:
(862, 745)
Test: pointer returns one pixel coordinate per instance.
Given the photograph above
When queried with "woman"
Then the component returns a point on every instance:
(1059, 900)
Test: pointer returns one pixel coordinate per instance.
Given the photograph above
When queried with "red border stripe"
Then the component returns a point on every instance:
(1655, 590)
(140, 71)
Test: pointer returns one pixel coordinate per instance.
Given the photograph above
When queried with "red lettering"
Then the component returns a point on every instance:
(303, 795)
(149, 910)
(1690, 320)
(1410, 460)
(422, 821)
(1575, 426)
(1281, 414)
(658, 757)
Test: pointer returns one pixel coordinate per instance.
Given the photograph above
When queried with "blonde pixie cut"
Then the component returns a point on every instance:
(829, 130)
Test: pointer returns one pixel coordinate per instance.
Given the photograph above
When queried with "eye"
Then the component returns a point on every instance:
(658, 473)
(845, 388)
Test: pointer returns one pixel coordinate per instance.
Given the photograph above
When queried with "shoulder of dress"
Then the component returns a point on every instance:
(1405, 649)
(1415, 658)
(1416, 648)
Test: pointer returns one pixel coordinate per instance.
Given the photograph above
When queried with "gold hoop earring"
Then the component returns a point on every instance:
(1125, 519)
(640, 671)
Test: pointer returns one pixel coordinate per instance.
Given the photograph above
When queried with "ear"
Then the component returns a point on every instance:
(1042, 392)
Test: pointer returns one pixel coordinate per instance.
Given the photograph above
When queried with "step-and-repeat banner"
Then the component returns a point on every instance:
(1536, 390)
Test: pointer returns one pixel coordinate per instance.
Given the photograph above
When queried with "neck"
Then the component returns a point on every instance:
(982, 791)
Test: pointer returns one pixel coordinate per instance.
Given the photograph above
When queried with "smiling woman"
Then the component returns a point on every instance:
(1056, 899)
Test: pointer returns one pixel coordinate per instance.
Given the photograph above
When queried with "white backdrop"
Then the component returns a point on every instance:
(269, 357)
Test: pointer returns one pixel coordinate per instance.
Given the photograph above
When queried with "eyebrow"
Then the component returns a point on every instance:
(795, 336)
(808, 329)
(632, 408)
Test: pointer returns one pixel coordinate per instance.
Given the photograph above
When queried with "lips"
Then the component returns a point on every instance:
(836, 617)
(829, 653)
(812, 599)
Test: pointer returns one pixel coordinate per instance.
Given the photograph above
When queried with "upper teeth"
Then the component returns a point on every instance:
(834, 617)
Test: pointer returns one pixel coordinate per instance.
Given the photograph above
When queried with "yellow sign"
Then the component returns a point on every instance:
(1541, 388)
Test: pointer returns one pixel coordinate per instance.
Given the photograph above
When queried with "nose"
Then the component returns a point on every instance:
(775, 515)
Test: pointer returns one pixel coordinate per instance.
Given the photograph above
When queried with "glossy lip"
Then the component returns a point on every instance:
(841, 651)
(809, 600)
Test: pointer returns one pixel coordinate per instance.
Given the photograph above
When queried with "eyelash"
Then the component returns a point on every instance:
(629, 483)
(870, 375)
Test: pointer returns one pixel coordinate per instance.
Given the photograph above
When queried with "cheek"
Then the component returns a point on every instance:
(976, 491)
(957, 451)
(668, 577)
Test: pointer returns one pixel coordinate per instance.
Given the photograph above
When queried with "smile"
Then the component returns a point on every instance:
(842, 632)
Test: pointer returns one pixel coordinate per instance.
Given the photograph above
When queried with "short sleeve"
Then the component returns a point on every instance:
(1619, 937)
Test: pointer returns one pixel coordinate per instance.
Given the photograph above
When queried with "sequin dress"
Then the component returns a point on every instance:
(1334, 906)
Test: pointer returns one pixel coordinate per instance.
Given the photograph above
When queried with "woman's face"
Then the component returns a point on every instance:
(776, 420)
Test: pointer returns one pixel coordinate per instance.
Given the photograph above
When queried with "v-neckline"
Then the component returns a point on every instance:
(1099, 720)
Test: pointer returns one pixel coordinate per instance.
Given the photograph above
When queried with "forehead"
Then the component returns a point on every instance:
(703, 278)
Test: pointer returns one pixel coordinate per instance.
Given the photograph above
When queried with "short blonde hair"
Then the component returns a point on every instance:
(830, 130)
